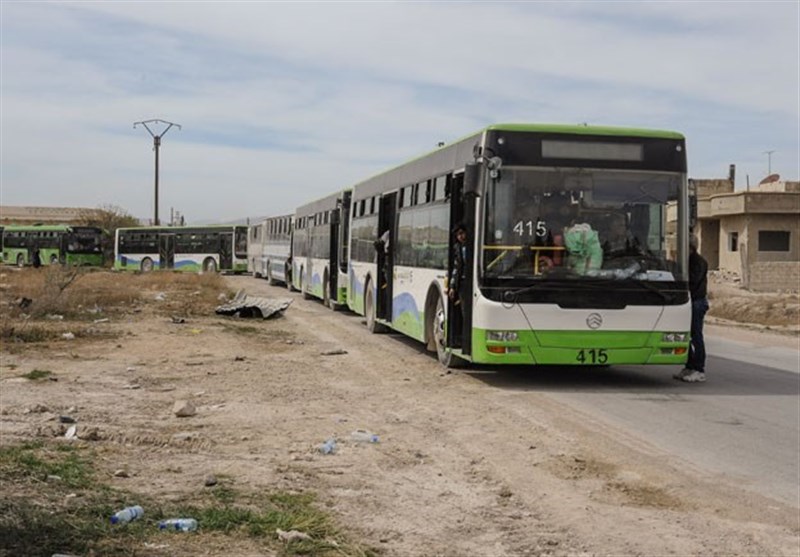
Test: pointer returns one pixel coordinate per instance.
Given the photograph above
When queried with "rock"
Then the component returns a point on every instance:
(183, 408)
(66, 419)
(121, 474)
(335, 352)
(38, 409)
(68, 336)
(210, 480)
(291, 535)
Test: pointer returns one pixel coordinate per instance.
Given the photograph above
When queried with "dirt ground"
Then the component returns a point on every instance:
(460, 469)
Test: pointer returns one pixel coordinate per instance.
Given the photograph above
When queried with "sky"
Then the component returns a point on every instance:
(281, 103)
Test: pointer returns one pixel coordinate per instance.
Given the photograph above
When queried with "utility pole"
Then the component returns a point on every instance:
(769, 161)
(156, 145)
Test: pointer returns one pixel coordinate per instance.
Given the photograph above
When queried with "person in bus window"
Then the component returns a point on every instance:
(619, 241)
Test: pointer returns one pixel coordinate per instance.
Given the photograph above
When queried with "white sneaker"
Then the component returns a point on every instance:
(694, 377)
(682, 373)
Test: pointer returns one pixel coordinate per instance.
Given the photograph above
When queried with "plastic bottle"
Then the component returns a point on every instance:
(178, 524)
(127, 514)
(363, 436)
(328, 446)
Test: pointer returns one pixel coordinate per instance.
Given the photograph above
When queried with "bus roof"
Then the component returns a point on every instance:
(458, 152)
(45, 227)
(187, 227)
(585, 129)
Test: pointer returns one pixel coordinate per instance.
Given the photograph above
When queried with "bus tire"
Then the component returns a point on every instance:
(209, 265)
(445, 357)
(369, 311)
(20, 260)
(146, 265)
(54, 260)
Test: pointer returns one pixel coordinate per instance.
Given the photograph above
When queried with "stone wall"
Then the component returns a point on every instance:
(773, 276)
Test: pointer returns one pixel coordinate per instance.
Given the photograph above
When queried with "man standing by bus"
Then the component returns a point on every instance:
(695, 370)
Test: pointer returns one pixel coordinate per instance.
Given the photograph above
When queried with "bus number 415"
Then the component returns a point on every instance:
(592, 356)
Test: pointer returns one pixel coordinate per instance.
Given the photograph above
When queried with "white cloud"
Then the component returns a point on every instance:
(282, 100)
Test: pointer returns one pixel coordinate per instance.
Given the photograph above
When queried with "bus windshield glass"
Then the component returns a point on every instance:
(580, 224)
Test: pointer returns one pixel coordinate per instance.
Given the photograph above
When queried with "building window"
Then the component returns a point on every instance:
(773, 240)
(733, 241)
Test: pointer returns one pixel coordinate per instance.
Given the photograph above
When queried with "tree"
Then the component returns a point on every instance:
(109, 218)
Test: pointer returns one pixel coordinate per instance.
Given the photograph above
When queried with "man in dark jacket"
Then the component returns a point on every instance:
(695, 370)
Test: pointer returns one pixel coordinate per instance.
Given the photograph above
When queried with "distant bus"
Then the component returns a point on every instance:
(57, 244)
(181, 248)
(256, 236)
(566, 262)
(320, 249)
(268, 248)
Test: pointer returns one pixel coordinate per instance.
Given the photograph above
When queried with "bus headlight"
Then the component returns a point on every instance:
(675, 337)
(502, 336)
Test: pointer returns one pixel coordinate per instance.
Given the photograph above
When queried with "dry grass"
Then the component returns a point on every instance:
(89, 294)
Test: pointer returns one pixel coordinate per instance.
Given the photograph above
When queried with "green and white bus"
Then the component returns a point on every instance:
(182, 248)
(57, 244)
(268, 247)
(549, 279)
(319, 249)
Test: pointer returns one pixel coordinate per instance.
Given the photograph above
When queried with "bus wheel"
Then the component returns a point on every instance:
(447, 359)
(209, 265)
(369, 311)
(20, 260)
(146, 265)
(53, 260)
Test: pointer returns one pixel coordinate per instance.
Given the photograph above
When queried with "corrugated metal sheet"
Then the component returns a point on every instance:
(252, 306)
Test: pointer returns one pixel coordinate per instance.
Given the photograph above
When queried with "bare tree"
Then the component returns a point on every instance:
(109, 218)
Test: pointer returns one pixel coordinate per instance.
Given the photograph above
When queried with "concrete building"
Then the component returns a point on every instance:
(754, 233)
(15, 214)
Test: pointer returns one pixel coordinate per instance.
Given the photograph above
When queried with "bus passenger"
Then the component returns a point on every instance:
(459, 263)
(619, 241)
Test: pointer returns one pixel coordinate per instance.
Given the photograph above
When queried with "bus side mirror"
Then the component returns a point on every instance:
(471, 173)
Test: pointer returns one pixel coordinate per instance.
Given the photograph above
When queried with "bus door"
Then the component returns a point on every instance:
(387, 215)
(462, 211)
(166, 251)
(333, 264)
(226, 251)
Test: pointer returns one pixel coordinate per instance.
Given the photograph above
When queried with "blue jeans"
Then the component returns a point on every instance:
(697, 347)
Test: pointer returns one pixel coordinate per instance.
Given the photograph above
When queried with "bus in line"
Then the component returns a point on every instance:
(182, 248)
(319, 256)
(567, 254)
(59, 244)
(268, 246)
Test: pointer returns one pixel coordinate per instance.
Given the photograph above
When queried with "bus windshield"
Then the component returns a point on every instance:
(577, 224)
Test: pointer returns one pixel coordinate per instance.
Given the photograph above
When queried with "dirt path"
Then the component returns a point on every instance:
(461, 468)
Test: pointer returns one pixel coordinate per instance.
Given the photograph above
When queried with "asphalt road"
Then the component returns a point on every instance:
(743, 424)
